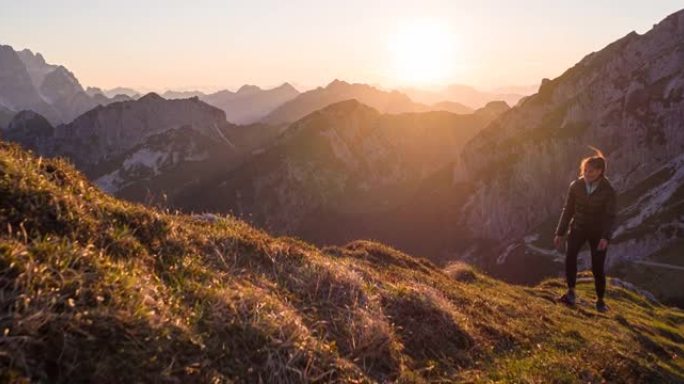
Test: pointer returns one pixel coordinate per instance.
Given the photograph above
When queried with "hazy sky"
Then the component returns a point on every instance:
(211, 44)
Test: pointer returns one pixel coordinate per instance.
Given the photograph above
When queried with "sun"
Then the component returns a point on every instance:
(422, 54)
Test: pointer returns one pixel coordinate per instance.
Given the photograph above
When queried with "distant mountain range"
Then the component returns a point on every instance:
(468, 96)
(250, 103)
(336, 91)
(30, 83)
(27, 82)
(284, 104)
(114, 92)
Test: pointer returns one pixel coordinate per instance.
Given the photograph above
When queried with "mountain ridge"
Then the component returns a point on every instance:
(28, 82)
(338, 90)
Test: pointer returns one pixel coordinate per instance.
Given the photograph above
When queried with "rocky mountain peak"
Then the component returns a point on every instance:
(105, 133)
(27, 118)
(248, 89)
(17, 90)
(36, 66)
(287, 87)
(27, 81)
(151, 97)
(30, 58)
(92, 91)
(494, 108)
(250, 103)
(347, 113)
(29, 128)
(349, 106)
(60, 79)
(337, 84)
(14, 77)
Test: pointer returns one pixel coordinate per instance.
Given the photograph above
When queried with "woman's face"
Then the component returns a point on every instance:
(591, 174)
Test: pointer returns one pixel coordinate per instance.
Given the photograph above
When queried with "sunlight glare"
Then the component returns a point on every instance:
(423, 53)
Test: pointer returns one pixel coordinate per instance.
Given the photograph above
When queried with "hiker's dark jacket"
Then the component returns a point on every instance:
(594, 212)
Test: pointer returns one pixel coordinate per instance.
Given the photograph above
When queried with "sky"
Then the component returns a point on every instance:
(212, 44)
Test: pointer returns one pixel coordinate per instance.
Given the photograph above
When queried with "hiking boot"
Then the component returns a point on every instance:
(601, 306)
(568, 298)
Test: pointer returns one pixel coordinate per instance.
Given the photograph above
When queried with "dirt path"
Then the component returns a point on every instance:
(661, 265)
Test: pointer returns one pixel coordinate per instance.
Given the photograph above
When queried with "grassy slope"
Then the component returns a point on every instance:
(96, 289)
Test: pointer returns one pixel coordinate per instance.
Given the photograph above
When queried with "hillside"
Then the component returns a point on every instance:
(95, 289)
(349, 163)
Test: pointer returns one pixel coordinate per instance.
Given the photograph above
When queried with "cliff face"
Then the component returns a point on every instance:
(627, 100)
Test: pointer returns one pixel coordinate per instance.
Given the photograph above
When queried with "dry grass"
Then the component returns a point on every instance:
(93, 289)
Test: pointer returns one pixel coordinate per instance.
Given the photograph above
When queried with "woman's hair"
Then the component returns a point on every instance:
(598, 161)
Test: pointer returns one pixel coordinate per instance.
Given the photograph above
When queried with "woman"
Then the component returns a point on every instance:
(589, 211)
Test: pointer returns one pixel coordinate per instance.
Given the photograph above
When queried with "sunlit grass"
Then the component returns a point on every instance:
(95, 289)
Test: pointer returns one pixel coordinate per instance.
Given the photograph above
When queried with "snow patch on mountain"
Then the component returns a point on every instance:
(145, 163)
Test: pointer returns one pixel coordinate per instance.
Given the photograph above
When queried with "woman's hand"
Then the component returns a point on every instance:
(602, 245)
(557, 241)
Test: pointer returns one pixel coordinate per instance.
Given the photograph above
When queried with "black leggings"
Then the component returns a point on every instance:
(576, 240)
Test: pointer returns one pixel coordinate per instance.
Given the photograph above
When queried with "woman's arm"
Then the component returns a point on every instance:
(609, 218)
(567, 214)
